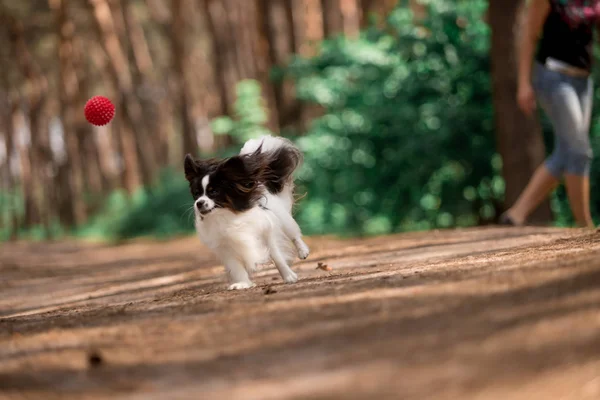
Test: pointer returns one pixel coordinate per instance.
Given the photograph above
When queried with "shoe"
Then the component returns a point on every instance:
(506, 220)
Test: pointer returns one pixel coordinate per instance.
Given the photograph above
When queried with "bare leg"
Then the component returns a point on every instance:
(578, 191)
(541, 184)
(284, 269)
(238, 275)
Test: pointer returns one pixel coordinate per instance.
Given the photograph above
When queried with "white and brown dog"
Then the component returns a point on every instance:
(243, 208)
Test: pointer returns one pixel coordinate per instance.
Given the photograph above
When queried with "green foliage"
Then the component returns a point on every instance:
(250, 114)
(406, 139)
(12, 212)
(595, 142)
(162, 212)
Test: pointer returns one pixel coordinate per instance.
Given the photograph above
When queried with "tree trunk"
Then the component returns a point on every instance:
(31, 213)
(380, 8)
(160, 15)
(40, 152)
(311, 24)
(98, 179)
(265, 59)
(308, 18)
(7, 183)
(350, 17)
(333, 21)
(281, 38)
(518, 136)
(289, 21)
(143, 78)
(73, 212)
(33, 162)
(8, 108)
(142, 164)
(110, 142)
(179, 58)
(222, 52)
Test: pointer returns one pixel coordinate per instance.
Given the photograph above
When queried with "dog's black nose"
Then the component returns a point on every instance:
(200, 204)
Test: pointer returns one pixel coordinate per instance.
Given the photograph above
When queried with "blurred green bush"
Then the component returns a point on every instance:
(406, 138)
(162, 212)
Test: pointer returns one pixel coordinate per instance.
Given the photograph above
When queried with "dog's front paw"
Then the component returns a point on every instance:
(290, 277)
(241, 285)
(303, 250)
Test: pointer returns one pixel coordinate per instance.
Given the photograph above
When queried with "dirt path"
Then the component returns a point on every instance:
(473, 314)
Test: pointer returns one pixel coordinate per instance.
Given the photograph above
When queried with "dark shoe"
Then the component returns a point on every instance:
(505, 219)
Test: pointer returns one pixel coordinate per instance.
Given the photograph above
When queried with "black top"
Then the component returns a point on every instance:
(567, 39)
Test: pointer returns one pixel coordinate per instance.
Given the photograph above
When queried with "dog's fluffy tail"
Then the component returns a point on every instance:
(281, 159)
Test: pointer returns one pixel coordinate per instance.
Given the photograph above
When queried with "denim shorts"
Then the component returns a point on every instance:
(567, 101)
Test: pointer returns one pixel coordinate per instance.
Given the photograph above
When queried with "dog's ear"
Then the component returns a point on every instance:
(234, 166)
(244, 168)
(190, 167)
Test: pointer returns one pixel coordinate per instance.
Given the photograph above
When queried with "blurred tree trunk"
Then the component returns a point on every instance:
(310, 24)
(241, 15)
(34, 157)
(366, 8)
(160, 14)
(350, 17)
(110, 143)
(31, 214)
(333, 21)
(72, 211)
(223, 57)
(518, 136)
(241, 50)
(222, 52)
(280, 34)
(265, 59)
(139, 45)
(180, 58)
(381, 8)
(97, 178)
(38, 132)
(8, 118)
(288, 6)
(200, 77)
(308, 18)
(142, 115)
(92, 144)
(139, 163)
(143, 77)
(8, 215)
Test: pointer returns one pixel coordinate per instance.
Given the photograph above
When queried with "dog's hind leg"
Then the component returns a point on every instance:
(292, 230)
(284, 269)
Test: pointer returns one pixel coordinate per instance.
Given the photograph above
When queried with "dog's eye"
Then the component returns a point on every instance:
(212, 192)
(248, 185)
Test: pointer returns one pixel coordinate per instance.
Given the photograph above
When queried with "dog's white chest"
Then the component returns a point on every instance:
(223, 229)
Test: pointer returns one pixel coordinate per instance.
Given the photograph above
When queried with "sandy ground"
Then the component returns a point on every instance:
(471, 314)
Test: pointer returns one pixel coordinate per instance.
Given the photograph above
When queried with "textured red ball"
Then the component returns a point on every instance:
(99, 110)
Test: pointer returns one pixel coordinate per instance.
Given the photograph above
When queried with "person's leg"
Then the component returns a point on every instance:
(539, 187)
(547, 176)
(577, 168)
(578, 191)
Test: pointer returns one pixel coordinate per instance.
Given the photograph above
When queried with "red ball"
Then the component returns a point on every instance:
(99, 110)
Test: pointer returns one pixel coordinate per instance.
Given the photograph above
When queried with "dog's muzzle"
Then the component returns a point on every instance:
(201, 205)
